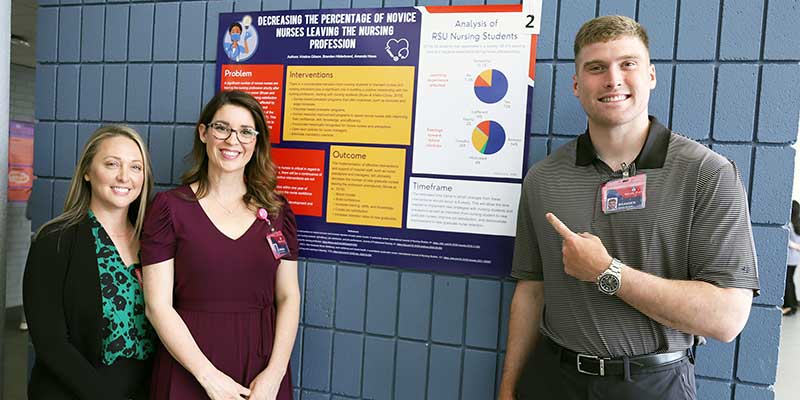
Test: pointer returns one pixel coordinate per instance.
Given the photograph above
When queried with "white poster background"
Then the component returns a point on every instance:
(455, 48)
(449, 205)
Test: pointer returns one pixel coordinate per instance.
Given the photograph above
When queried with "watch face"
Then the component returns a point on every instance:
(608, 283)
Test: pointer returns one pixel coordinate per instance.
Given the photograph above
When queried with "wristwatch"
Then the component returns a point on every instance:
(610, 280)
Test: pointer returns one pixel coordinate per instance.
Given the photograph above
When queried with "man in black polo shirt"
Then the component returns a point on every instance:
(664, 254)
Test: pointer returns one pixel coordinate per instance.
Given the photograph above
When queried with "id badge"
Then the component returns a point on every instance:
(624, 194)
(278, 245)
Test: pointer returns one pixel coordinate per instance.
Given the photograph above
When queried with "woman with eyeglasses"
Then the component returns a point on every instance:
(220, 269)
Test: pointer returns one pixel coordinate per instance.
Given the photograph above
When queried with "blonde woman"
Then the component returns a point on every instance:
(82, 298)
(220, 271)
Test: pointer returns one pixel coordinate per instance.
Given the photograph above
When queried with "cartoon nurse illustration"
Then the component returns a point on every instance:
(236, 42)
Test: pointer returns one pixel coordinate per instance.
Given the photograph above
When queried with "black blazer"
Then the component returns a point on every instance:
(61, 296)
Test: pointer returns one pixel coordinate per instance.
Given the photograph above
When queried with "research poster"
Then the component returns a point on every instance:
(400, 134)
(20, 161)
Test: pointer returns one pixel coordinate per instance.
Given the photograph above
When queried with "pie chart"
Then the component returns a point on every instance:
(488, 137)
(491, 86)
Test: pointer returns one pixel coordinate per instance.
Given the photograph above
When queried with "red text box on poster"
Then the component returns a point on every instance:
(265, 83)
(300, 178)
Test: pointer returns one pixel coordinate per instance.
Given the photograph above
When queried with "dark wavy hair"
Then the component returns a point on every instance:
(796, 216)
(260, 173)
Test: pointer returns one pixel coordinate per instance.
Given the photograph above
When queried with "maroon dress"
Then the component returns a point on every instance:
(224, 291)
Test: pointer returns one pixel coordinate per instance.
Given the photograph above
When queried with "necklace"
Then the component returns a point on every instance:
(227, 210)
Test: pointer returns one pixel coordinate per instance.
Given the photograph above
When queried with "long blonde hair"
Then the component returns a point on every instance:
(79, 196)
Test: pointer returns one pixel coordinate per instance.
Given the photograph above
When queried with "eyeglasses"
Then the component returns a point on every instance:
(223, 131)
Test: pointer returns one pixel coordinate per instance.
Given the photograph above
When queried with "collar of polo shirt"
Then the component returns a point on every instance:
(652, 155)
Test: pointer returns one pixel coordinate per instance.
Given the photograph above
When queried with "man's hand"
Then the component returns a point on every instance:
(584, 255)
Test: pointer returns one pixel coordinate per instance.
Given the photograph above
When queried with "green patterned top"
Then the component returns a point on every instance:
(126, 331)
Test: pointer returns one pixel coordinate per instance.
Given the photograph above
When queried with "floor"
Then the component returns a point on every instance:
(16, 357)
(788, 384)
(16, 368)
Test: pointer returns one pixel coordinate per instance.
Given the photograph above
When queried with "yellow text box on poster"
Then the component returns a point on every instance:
(365, 186)
(349, 104)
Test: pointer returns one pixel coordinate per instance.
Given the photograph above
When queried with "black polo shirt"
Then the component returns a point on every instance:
(695, 226)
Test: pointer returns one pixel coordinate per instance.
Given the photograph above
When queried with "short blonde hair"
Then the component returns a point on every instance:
(607, 28)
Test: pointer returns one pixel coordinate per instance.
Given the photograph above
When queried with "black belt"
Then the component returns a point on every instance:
(593, 365)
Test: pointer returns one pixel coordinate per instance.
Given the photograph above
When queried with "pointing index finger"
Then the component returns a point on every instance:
(559, 226)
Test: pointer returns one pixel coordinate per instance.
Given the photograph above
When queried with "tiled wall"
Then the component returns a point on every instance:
(728, 75)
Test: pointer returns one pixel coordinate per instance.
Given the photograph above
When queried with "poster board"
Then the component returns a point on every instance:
(20, 161)
(400, 134)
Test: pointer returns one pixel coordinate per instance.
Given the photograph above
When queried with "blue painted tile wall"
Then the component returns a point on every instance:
(320, 284)
(213, 10)
(45, 92)
(411, 370)
(617, 7)
(115, 47)
(165, 32)
(44, 144)
(91, 92)
(351, 290)
(661, 96)
(114, 92)
(691, 113)
(697, 31)
(69, 34)
(182, 145)
(137, 100)
(741, 38)
(162, 104)
(780, 100)
(189, 92)
(483, 306)
(449, 295)
(735, 111)
(724, 78)
(160, 146)
(192, 28)
(660, 19)
(781, 35)
(67, 92)
(317, 346)
(415, 306)
(46, 34)
(66, 146)
(60, 188)
(41, 201)
(86, 128)
(348, 351)
(477, 381)
(378, 375)
(141, 49)
(382, 302)
(444, 377)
